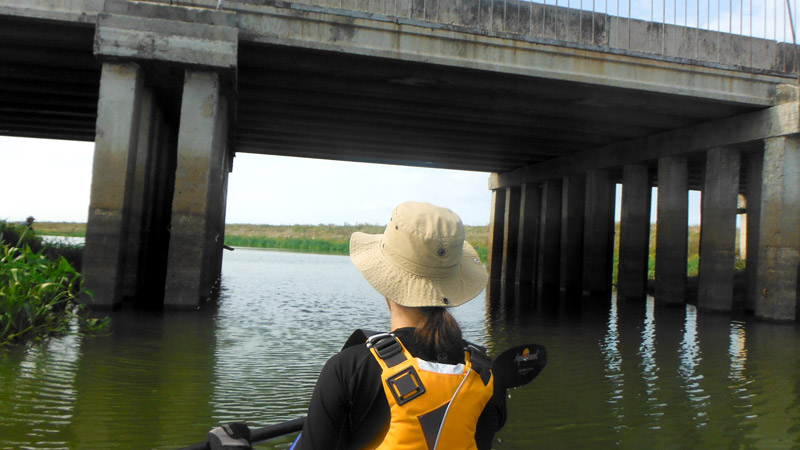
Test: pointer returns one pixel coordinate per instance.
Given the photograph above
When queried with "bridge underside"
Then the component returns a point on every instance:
(557, 132)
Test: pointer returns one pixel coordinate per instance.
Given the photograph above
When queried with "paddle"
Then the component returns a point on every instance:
(519, 365)
(263, 434)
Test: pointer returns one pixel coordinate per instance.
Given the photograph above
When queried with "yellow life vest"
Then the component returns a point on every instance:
(433, 405)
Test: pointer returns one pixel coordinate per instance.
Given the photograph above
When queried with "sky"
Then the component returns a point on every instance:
(51, 180)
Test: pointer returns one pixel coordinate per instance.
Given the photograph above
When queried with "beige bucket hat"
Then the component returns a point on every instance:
(421, 259)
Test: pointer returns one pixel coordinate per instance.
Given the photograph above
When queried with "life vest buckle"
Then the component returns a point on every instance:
(388, 348)
(406, 385)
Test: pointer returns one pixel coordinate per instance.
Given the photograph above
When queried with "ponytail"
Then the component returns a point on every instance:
(439, 331)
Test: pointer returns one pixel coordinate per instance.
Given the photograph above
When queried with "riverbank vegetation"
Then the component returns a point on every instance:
(331, 239)
(335, 239)
(39, 288)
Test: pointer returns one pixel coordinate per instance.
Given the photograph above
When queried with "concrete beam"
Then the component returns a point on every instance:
(672, 230)
(81, 11)
(445, 44)
(754, 162)
(548, 264)
(634, 232)
(529, 217)
(779, 238)
(573, 206)
(138, 30)
(718, 230)
(196, 238)
(511, 234)
(598, 237)
(497, 234)
(118, 117)
(780, 120)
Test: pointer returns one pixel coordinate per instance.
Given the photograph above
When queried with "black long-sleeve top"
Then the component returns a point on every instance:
(349, 410)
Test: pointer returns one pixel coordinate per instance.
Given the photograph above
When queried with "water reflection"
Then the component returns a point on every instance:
(689, 360)
(613, 359)
(647, 351)
(620, 374)
(39, 396)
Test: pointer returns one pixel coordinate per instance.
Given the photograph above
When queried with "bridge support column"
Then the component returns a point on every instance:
(529, 217)
(511, 235)
(718, 230)
(779, 238)
(198, 206)
(497, 234)
(118, 126)
(672, 222)
(549, 240)
(572, 216)
(753, 197)
(598, 236)
(634, 239)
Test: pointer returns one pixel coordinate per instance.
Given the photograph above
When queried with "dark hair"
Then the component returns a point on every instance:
(439, 331)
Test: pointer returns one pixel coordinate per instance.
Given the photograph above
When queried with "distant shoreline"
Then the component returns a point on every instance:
(319, 239)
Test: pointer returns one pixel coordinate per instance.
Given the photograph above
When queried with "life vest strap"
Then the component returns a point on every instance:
(388, 348)
(481, 362)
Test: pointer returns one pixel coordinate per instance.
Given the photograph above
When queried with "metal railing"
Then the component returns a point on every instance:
(750, 35)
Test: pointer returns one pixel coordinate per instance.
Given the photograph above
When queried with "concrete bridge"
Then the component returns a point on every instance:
(560, 104)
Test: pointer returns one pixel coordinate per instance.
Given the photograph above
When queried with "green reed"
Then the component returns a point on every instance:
(39, 294)
(304, 245)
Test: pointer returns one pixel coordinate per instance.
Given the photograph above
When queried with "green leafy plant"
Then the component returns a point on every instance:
(39, 295)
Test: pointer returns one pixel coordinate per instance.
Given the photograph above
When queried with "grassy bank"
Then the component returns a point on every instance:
(334, 239)
(693, 251)
(39, 289)
(330, 239)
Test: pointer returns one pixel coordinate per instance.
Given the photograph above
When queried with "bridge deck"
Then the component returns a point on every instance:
(325, 82)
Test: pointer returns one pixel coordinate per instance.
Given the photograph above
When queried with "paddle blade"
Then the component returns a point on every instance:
(519, 365)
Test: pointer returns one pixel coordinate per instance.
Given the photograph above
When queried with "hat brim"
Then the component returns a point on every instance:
(410, 289)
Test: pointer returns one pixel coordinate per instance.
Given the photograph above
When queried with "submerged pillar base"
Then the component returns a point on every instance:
(777, 289)
(197, 230)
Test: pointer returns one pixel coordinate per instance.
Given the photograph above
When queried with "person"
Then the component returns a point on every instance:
(364, 398)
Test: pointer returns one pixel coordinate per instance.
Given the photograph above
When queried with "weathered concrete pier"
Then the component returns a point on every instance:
(559, 104)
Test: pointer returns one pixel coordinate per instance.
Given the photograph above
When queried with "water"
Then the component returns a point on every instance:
(623, 375)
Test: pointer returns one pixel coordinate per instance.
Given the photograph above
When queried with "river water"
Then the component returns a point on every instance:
(620, 374)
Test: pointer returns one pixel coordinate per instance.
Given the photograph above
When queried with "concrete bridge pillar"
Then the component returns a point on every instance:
(548, 263)
(672, 229)
(120, 111)
(634, 239)
(198, 206)
(777, 289)
(718, 229)
(529, 217)
(511, 234)
(572, 218)
(497, 234)
(158, 192)
(754, 167)
(598, 236)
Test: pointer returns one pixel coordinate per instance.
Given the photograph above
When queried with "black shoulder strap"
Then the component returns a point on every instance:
(359, 337)
(480, 361)
(388, 348)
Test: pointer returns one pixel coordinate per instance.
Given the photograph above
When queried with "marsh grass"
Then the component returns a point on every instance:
(39, 289)
(692, 257)
(328, 239)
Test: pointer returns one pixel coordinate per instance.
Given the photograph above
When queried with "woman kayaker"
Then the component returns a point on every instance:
(422, 386)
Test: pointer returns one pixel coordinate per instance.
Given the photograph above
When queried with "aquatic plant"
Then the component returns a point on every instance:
(39, 295)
